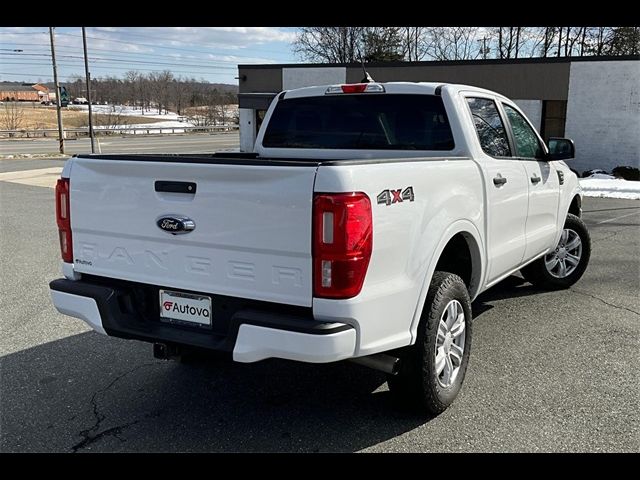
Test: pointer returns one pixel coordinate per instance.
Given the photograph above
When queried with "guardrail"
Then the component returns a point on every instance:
(84, 131)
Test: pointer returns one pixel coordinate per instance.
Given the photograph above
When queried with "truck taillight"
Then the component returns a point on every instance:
(63, 219)
(342, 243)
(355, 88)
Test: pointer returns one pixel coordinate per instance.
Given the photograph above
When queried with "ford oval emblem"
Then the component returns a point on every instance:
(176, 225)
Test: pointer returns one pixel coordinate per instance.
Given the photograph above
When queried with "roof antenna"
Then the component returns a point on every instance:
(367, 78)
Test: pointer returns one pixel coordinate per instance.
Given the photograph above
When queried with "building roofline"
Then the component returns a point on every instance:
(492, 61)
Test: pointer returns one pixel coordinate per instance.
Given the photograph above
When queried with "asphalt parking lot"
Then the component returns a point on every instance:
(549, 371)
(192, 143)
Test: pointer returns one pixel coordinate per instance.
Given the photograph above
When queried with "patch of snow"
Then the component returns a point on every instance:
(33, 155)
(610, 188)
(602, 176)
(171, 126)
(126, 110)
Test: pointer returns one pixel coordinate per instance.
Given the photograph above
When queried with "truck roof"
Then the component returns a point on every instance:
(425, 88)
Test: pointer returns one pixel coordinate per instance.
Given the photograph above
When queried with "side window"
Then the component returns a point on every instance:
(491, 132)
(526, 141)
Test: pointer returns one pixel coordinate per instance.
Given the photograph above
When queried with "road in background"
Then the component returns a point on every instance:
(549, 371)
(192, 143)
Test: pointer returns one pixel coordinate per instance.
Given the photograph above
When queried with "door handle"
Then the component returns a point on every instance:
(175, 187)
(499, 180)
(535, 179)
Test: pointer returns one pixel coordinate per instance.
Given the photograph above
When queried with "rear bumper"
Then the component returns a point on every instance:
(249, 334)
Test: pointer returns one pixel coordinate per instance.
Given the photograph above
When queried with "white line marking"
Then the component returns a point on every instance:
(617, 218)
(40, 177)
(19, 174)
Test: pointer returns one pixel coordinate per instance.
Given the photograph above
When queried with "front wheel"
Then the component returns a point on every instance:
(432, 370)
(566, 263)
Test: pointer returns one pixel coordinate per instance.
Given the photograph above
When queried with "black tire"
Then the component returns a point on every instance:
(539, 275)
(417, 383)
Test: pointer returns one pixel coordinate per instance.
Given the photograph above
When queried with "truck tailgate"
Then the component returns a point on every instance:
(252, 236)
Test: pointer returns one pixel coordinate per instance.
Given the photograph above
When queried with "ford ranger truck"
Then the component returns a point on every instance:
(365, 222)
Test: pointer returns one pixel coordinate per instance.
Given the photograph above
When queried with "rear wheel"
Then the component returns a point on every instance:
(566, 263)
(432, 370)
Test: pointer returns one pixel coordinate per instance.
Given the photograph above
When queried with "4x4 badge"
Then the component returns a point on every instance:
(388, 197)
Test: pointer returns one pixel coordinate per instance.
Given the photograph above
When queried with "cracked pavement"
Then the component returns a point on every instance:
(94, 433)
(549, 371)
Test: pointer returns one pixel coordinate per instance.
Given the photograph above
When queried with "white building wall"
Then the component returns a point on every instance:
(533, 110)
(309, 77)
(247, 129)
(603, 114)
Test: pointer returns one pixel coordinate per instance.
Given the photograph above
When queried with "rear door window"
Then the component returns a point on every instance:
(489, 127)
(360, 121)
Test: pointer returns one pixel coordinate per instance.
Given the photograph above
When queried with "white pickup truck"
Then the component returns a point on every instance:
(365, 222)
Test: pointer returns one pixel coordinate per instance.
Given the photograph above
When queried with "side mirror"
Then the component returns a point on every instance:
(561, 149)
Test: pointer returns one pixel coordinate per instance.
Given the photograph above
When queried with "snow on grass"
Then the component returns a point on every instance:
(606, 186)
(127, 111)
(171, 126)
(602, 176)
(33, 155)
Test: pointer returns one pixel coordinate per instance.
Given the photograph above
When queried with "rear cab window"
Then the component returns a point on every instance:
(360, 121)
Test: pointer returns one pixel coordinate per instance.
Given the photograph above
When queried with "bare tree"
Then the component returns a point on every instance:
(597, 39)
(452, 43)
(75, 86)
(11, 116)
(131, 86)
(508, 40)
(571, 36)
(517, 42)
(624, 41)
(413, 43)
(177, 94)
(548, 36)
(583, 41)
(159, 83)
(202, 116)
(329, 44)
(112, 119)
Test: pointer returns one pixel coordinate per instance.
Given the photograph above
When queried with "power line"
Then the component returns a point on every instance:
(21, 33)
(126, 69)
(136, 43)
(98, 29)
(118, 68)
(120, 60)
(145, 54)
(142, 44)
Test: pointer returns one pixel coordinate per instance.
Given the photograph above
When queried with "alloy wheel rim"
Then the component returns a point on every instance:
(450, 341)
(564, 260)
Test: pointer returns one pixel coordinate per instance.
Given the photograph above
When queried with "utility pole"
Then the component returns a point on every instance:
(88, 78)
(484, 50)
(55, 80)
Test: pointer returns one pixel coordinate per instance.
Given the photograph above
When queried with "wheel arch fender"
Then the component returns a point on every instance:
(564, 209)
(478, 261)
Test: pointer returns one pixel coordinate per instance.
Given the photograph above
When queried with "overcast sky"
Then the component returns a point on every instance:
(211, 54)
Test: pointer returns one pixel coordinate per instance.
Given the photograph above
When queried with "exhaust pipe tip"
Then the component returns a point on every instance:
(379, 361)
(396, 366)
